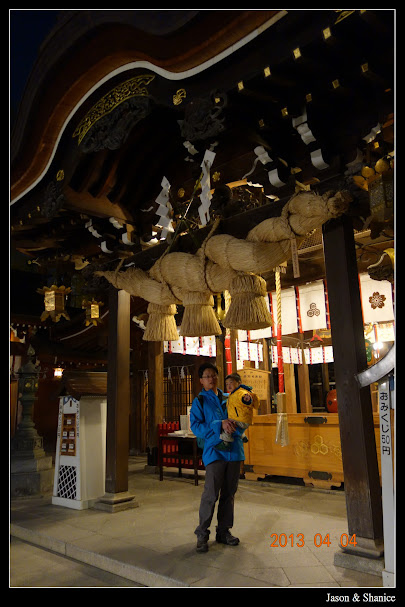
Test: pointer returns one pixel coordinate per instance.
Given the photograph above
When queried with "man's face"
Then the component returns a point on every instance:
(231, 384)
(209, 380)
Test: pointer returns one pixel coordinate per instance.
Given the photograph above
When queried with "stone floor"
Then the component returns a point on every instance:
(281, 530)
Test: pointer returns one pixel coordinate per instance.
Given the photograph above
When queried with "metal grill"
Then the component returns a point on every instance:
(314, 240)
(67, 482)
(178, 395)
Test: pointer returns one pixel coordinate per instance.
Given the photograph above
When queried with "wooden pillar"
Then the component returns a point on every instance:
(360, 466)
(304, 387)
(155, 396)
(266, 408)
(289, 387)
(135, 422)
(118, 392)
(118, 404)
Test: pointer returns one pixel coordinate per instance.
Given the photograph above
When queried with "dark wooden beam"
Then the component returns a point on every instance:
(359, 455)
(84, 202)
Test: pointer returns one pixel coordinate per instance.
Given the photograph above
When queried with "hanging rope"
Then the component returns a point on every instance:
(282, 421)
(279, 339)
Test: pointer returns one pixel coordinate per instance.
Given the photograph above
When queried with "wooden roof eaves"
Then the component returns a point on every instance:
(56, 100)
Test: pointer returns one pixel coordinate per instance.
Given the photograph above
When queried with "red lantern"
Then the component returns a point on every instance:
(331, 402)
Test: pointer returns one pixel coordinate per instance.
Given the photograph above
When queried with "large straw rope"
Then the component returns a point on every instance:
(227, 263)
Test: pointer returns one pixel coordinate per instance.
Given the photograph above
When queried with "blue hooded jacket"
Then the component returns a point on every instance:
(206, 423)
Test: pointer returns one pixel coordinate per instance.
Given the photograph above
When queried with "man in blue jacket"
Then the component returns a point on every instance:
(208, 418)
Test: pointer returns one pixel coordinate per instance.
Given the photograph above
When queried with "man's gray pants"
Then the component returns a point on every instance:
(221, 479)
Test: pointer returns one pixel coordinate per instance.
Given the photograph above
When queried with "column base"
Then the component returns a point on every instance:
(366, 556)
(31, 476)
(116, 502)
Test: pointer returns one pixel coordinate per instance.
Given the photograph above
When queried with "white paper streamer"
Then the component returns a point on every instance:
(126, 240)
(190, 148)
(104, 247)
(262, 155)
(89, 226)
(205, 195)
(117, 224)
(163, 209)
(301, 125)
(317, 160)
(373, 133)
(275, 179)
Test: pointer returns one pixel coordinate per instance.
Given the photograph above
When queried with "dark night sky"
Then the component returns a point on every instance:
(28, 29)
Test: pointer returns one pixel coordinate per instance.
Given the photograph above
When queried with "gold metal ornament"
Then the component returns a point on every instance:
(343, 14)
(179, 96)
(130, 88)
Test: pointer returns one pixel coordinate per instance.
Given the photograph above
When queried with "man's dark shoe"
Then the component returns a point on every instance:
(227, 538)
(202, 544)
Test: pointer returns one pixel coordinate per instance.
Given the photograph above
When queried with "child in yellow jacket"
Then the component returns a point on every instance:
(240, 404)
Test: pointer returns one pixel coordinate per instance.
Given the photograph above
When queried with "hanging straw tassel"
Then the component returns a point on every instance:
(248, 308)
(282, 421)
(199, 317)
(161, 325)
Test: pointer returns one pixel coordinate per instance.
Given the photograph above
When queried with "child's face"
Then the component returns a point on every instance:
(231, 384)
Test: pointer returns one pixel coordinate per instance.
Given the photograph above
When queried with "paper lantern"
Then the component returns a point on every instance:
(54, 301)
(92, 311)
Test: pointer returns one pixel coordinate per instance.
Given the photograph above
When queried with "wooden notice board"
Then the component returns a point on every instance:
(258, 380)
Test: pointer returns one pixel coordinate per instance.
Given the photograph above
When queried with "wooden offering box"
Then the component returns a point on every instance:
(313, 452)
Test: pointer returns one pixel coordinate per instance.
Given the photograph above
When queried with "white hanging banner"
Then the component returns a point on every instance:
(286, 355)
(328, 354)
(312, 306)
(316, 355)
(295, 356)
(192, 345)
(208, 345)
(205, 195)
(376, 299)
(289, 322)
(261, 333)
(274, 357)
(177, 346)
(243, 350)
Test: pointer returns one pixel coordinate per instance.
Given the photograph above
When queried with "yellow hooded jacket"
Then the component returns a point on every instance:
(241, 403)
